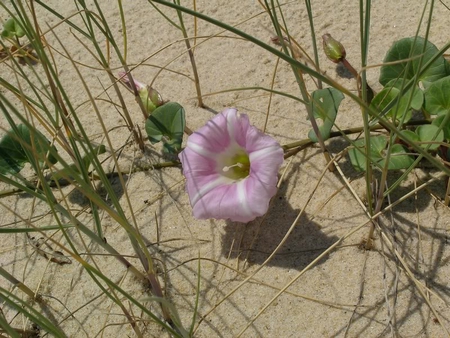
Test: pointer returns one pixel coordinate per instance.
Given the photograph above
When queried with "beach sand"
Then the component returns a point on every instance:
(349, 292)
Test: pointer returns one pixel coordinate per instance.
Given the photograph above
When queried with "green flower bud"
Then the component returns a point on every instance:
(333, 48)
(155, 97)
(151, 99)
(146, 101)
(149, 96)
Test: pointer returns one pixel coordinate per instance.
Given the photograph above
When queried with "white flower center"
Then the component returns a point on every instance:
(234, 163)
(226, 168)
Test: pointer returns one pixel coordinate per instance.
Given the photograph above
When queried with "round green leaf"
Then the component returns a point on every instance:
(445, 128)
(402, 109)
(358, 152)
(324, 105)
(166, 124)
(399, 158)
(12, 28)
(383, 98)
(25, 146)
(437, 98)
(417, 96)
(412, 50)
(412, 136)
(429, 133)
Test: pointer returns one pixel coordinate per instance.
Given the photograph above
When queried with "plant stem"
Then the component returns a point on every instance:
(298, 73)
(289, 149)
(192, 58)
(18, 284)
(447, 193)
(353, 71)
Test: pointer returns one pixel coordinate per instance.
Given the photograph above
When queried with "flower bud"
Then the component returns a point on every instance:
(333, 48)
(151, 99)
(149, 96)
(155, 97)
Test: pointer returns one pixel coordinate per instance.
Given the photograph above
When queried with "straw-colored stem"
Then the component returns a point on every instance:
(447, 193)
(192, 59)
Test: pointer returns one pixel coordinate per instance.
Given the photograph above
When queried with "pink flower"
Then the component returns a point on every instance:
(231, 168)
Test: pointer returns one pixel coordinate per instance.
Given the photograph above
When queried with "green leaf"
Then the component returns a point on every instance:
(445, 128)
(437, 98)
(166, 124)
(357, 153)
(402, 110)
(417, 96)
(399, 158)
(12, 29)
(12, 155)
(386, 96)
(68, 172)
(412, 136)
(410, 50)
(429, 133)
(15, 149)
(324, 105)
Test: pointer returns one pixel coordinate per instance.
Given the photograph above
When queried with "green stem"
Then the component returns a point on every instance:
(298, 73)
(18, 284)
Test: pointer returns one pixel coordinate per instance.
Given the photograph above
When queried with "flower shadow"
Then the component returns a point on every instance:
(254, 242)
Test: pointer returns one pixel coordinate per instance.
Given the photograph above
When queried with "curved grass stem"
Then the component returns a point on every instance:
(192, 59)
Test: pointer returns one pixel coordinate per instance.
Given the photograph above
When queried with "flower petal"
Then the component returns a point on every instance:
(123, 77)
(212, 194)
(201, 174)
(212, 137)
(240, 202)
(266, 162)
(225, 202)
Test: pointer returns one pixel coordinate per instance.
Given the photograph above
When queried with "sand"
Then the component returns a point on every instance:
(349, 292)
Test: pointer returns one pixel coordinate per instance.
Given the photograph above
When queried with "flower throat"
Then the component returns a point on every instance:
(238, 167)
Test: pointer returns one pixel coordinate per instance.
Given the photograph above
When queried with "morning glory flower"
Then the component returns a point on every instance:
(231, 168)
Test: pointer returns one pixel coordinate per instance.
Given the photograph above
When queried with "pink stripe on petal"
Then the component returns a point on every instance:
(205, 185)
(201, 174)
(200, 149)
(213, 136)
(274, 152)
(224, 202)
(256, 140)
(238, 126)
(260, 189)
(194, 162)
